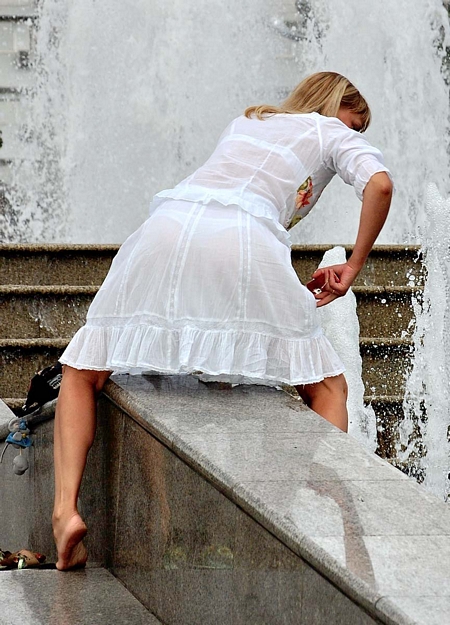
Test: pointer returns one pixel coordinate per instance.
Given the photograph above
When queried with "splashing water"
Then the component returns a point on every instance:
(395, 57)
(424, 441)
(38, 196)
(130, 97)
(341, 326)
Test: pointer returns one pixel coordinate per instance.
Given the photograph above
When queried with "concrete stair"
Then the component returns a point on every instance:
(45, 291)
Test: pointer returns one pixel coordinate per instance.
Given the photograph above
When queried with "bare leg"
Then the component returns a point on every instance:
(329, 399)
(75, 422)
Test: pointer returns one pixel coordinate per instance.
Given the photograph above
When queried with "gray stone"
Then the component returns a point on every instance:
(334, 507)
(421, 608)
(192, 556)
(243, 507)
(20, 359)
(387, 265)
(55, 264)
(385, 365)
(84, 597)
(385, 312)
(361, 524)
(26, 501)
(324, 604)
(43, 312)
(6, 415)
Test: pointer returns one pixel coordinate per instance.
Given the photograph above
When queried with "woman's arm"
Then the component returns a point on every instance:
(375, 207)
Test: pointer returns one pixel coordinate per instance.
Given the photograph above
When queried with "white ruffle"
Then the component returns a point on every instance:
(234, 356)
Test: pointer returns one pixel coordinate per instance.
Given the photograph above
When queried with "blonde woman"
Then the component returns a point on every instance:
(206, 283)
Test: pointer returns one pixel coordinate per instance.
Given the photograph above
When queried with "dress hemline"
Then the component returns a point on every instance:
(148, 349)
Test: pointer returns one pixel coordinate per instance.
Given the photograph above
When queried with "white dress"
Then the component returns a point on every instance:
(206, 284)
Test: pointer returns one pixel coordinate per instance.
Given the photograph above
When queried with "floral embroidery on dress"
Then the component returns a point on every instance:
(304, 194)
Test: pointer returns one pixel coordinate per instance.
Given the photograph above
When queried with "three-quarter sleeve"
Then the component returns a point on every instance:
(350, 155)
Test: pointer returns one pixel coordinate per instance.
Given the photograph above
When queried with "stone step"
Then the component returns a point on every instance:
(385, 363)
(21, 358)
(58, 311)
(386, 311)
(55, 264)
(393, 265)
(43, 311)
(387, 265)
(87, 597)
(389, 412)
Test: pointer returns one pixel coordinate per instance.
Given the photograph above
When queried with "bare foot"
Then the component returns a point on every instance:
(68, 536)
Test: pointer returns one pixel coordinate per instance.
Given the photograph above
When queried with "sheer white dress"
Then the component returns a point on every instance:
(206, 284)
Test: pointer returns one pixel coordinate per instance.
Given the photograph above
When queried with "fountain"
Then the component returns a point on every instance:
(424, 441)
(126, 104)
(127, 101)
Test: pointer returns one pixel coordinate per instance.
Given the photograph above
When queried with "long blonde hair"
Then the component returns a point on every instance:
(324, 93)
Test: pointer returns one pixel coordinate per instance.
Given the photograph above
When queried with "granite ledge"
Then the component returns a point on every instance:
(134, 396)
(86, 596)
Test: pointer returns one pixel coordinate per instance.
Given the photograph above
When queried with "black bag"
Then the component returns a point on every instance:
(44, 387)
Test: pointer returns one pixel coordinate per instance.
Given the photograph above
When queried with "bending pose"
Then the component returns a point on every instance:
(206, 283)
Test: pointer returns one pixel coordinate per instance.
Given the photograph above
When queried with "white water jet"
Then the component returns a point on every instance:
(131, 97)
(424, 442)
(394, 54)
(138, 93)
(341, 326)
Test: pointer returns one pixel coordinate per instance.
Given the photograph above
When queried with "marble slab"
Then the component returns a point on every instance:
(82, 597)
(363, 525)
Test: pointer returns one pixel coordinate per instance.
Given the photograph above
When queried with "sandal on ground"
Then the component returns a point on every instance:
(22, 559)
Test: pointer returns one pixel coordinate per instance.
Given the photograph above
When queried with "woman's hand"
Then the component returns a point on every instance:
(375, 207)
(338, 280)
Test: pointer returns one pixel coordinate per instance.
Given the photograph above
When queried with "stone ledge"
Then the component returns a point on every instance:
(367, 528)
(52, 247)
(38, 248)
(91, 596)
(34, 343)
(51, 289)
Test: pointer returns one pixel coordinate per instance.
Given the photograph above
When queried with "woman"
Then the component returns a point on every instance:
(206, 284)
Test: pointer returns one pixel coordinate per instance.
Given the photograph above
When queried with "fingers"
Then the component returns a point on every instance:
(325, 298)
(336, 283)
(331, 290)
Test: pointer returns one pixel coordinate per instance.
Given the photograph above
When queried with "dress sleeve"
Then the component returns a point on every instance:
(350, 155)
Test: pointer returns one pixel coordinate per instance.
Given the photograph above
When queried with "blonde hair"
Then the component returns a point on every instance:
(324, 93)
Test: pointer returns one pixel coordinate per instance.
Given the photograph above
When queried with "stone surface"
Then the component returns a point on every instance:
(387, 265)
(47, 312)
(192, 556)
(5, 417)
(352, 519)
(321, 598)
(385, 365)
(385, 312)
(16, 504)
(392, 265)
(58, 310)
(87, 597)
(21, 359)
(55, 264)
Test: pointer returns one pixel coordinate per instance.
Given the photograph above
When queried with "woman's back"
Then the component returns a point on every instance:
(266, 159)
(260, 164)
